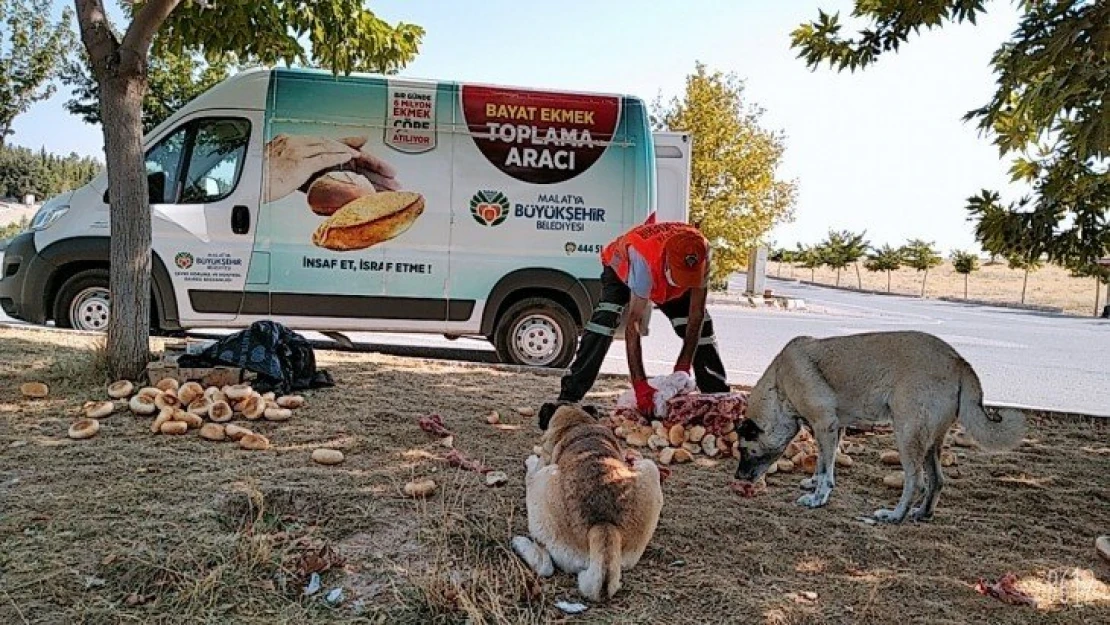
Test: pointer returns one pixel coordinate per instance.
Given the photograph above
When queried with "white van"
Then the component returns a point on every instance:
(368, 203)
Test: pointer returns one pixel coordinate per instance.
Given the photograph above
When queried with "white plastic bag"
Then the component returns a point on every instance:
(666, 387)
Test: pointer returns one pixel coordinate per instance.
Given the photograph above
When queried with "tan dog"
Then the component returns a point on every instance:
(589, 512)
(912, 379)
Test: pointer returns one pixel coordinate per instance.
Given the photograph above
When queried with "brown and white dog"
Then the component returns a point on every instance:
(589, 512)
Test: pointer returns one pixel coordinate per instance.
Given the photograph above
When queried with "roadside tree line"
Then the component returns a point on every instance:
(842, 249)
(42, 174)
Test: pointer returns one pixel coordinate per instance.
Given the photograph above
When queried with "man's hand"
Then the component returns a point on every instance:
(294, 159)
(381, 174)
(645, 397)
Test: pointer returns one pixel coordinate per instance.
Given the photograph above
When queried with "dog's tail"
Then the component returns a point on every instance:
(1001, 432)
(602, 578)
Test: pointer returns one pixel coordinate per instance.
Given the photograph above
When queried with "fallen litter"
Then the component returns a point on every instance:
(571, 608)
(335, 597)
(458, 459)
(1005, 591)
(433, 424)
(749, 489)
(313, 585)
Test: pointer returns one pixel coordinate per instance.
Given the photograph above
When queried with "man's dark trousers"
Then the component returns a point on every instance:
(709, 371)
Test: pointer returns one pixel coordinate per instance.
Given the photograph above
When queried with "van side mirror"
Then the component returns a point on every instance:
(156, 188)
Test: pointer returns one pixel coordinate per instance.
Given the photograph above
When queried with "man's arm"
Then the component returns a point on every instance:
(693, 329)
(636, 309)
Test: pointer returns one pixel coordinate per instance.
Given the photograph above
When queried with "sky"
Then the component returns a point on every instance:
(884, 150)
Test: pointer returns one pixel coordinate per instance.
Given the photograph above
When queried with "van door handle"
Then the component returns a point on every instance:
(240, 219)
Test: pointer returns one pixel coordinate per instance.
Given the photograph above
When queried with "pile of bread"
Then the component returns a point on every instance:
(179, 408)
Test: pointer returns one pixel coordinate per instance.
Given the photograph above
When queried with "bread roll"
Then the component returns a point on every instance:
(189, 392)
(188, 418)
(213, 432)
(252, 407)
(278, 414)
(238, 392)
(121, 389)
(167, 384)
(167, 399)
(336, 189)
(84, 428)
(290, 401)
(199, 406)
(149, 391)
(99, 409)
(327, 456)
(34, 390)
(254, 442)
(220, 412)
(174, 427)
(235, 432)
(369, 220)
(142, 404)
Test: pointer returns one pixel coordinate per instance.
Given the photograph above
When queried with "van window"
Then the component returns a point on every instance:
(217, 155)
(201, 161)
(163, 163)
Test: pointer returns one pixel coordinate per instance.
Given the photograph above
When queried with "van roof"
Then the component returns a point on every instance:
(327, 75)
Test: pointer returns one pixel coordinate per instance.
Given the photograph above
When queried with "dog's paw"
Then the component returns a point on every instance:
(533, 462)
(921, 515)
(887, 516)
(809, 483)
(533, 555)
(813, 500)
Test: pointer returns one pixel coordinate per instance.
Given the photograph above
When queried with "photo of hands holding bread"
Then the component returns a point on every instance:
(356, 191)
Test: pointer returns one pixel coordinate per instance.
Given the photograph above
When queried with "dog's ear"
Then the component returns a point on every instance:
(748, 430)
(592, 411)
(547, 410)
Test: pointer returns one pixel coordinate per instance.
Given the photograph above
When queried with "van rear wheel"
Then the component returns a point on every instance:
(536, 332)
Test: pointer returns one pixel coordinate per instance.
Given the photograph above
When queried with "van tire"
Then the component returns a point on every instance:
(536, 332)
(84, 290)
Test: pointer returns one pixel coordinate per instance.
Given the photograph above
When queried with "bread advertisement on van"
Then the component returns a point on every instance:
(410, 188)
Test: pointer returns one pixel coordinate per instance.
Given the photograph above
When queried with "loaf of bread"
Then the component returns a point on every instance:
(369, 220)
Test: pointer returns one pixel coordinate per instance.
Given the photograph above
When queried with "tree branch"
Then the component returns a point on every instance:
(96, 32)
(143, 28)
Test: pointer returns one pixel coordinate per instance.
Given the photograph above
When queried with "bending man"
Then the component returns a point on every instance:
(665, 264)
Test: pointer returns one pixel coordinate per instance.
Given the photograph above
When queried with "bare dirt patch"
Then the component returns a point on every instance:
(131, 527)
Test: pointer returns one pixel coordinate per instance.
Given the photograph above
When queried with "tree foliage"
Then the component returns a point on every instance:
(840, 249)
(172, 81)
(886, 258)
(735, 196)
(33, 50)
(922, 256)
(1050, 112)
(964, 262)
(24, 171)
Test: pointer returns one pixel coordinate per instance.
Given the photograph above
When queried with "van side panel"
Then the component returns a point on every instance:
(509, 182)
(401, 133)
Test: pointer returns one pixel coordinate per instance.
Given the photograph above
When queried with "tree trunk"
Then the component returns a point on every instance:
(888, 272)
(129, 316)
(812, 275)
(924, 279)
(838, 276)
(1098, 285)
(1024, 282)
(859, 278)
(966, 276)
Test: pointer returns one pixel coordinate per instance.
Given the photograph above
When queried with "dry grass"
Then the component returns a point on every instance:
(130, 527)
(1048, 286)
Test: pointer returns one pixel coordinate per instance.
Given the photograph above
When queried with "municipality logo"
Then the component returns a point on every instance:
(183, 260)
(489, 208)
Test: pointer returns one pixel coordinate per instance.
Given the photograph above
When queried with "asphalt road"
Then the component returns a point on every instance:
(1023, 358)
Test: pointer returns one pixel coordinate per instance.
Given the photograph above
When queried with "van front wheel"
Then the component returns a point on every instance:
(536, 332)
(82, 302)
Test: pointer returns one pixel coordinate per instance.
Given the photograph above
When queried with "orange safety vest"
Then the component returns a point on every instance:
(649, 240)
